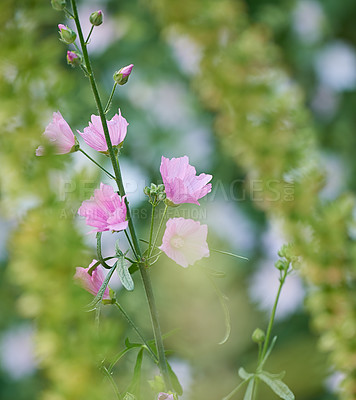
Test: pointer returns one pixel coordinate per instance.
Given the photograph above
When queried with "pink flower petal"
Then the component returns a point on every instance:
(184, 241)
(181, 183)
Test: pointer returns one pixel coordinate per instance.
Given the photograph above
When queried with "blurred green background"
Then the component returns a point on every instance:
(261, 95)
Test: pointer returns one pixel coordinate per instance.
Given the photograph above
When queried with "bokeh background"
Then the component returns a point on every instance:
(260, 94)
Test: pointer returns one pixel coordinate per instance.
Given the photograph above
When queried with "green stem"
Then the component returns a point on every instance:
(108, 104)
(271, 321)
(129, 320)
(97, 164)
(151, 230)
(89, 34)
(156, 326)
(264, 350)
(237, 388)
(109, 376)
(144, 273)
(159, 229)
(131, 245)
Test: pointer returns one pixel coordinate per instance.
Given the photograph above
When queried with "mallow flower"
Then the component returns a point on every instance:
(182, 185)
(106, 210)
(165, 396)
(94, 137)
(91, 282)
(184, 241)
(58, 132)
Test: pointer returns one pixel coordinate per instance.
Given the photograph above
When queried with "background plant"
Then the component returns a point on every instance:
(34, 53)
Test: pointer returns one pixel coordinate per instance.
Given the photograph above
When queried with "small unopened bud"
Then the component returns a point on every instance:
(147, 191)
(122, 75)
(58, 5)
(73, 58)
(96, 18)
(281, 265)
(67, 35)
(258, 336)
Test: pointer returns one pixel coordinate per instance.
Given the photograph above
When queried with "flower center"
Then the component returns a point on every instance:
(177, 242)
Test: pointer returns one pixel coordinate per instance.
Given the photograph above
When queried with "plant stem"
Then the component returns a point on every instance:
(151, 229)
(97, 164)
(108, 104)
(271, 321)
(158, 230)
(109, 376)
(144, 273)
(89, 34)
(264, 350)
(156, 326)
(129, 320)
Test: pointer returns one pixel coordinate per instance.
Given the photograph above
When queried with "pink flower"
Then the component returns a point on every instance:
(181, 183)
(122, 75)
(94, 137)
(93, 282)
(106, 211)
(58, 133)
(165, 396)
(184, 241)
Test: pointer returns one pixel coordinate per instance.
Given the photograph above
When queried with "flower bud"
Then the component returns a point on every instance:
(74, 58)
(67, 35)
(258, 336)
(122, 75)
(281, 265)
(58, 5)
(96, 18)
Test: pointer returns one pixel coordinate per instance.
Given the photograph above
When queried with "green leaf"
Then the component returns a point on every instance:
(131, 345)
(249, 390)
(279, 376)
(175, 381)
(124, 274)
(118, 252)
(135, 383)
(99, 296)
(129, 396)
(244, 375)
(279, 387)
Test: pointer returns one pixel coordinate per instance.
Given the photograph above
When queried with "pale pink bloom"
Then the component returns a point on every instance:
(182, 185)
(106, 211)
(91, 283)
(165, 396)
(94, 137)
(58, 132)
(184, 241)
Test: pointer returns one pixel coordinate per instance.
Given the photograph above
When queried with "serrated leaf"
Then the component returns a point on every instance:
(174, 380)
(124, 274)
(279, 387)
(249, 390)
(244, 375)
